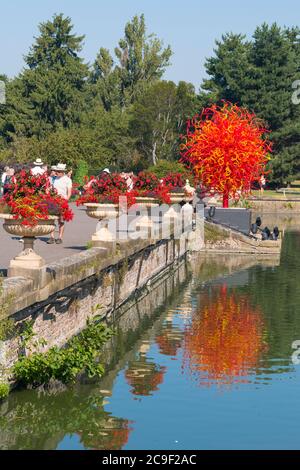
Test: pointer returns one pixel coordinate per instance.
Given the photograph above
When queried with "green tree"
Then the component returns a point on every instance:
(105, 80)
(50, 90)
(158, 116)
(141, 60)
(228, 69)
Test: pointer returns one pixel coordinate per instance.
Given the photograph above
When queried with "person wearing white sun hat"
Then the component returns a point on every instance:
(63, 185)
(38, 167)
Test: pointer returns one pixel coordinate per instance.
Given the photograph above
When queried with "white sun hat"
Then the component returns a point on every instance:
(61, 167)
(106, 170)
(38, 162)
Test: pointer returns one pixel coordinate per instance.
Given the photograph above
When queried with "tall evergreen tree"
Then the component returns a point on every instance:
(51, 87)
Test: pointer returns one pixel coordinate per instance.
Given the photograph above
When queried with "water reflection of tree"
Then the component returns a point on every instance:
(277, 293)
(224, 339)
(143, 375)
(43, 422)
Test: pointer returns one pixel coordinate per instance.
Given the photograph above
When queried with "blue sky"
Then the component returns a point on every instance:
(190, 27)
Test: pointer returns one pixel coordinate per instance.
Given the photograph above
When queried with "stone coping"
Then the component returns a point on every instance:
(37, 285)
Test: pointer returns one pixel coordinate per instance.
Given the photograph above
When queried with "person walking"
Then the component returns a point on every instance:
(63, 185)
(9, 179)
(2, 180)
(262, 184)
(38, 168)
(53, 175)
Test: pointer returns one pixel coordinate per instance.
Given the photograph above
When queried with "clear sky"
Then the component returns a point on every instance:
(190, 27)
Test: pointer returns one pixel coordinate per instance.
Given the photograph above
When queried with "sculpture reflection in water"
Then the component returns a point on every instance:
(225, 340)
(143, 375)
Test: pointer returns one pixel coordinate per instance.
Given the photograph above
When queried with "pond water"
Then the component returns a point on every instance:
(209, 367)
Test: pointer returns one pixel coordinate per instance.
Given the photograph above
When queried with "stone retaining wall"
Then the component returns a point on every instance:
(221, 239)
(275, 205)
(92, 283)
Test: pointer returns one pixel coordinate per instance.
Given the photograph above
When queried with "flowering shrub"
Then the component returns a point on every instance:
(31, 198)
(107, 188)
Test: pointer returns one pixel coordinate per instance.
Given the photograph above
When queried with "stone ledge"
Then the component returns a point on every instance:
(226, 240)
(37, 285)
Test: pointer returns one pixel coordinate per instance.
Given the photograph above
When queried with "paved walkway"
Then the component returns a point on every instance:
(77, 234)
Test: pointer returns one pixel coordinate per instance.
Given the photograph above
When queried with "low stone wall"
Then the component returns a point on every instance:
(92, 283)
(221, 239)
(275, 205)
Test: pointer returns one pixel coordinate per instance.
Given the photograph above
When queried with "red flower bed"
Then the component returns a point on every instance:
(31, 198)
(107, 188)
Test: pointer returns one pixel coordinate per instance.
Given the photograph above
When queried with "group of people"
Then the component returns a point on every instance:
(59, 179)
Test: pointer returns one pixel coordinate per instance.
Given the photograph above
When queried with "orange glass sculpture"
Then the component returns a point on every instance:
(226, 148)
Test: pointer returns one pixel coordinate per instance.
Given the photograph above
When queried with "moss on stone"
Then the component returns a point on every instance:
(214, 233)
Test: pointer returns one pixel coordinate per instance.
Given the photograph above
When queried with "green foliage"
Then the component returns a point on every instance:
(7, 329)
(164, 167)
(141, 60)
(49, 93)
(158, 116)
(80, 355)
(82, 170)
(4, 390)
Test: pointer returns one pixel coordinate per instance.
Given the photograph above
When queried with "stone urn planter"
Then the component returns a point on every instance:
(105, 213)
(28, 258)
(177, 197)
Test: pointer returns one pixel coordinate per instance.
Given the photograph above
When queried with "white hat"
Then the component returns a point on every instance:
(38, 162)
(106, 170)
(60, 167)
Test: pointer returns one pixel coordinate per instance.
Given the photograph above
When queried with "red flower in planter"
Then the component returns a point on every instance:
(106, 188)
(145, 180)
(147, 184)
(174, 180)
(31, 198)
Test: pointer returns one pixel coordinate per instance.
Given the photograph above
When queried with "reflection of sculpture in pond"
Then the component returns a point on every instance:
(224, 340)
(144, 376)
(170, 338)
